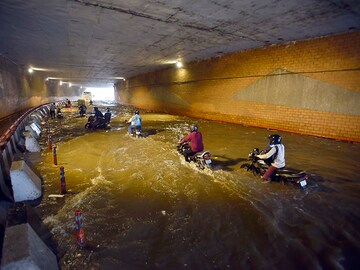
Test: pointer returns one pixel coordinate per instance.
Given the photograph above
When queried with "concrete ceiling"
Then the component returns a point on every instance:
(90, 41)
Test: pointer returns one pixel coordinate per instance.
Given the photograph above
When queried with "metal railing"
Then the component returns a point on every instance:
(12, 142)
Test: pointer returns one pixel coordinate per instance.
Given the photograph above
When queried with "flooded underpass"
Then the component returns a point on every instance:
(144, 207)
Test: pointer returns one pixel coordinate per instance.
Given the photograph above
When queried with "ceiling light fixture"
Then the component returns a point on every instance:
(117, 78)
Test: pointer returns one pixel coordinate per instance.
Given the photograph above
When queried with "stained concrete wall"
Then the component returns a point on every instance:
(20, 90)
(309, 87)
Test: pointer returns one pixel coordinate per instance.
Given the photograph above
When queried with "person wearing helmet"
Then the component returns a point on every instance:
(274, 155)
(195, 140)
(135, 122)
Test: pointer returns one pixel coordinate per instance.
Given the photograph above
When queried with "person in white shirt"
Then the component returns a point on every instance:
(135, 122)
(274, 156)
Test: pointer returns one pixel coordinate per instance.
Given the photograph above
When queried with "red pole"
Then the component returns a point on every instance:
(62, 180)
(49, 142)
(81, 237)
(80, 234)
(54, 155)
(47, 127)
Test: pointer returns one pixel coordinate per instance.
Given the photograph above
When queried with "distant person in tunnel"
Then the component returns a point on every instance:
(135, 122)
(82, 110)
(107, 116)
(52, 110)
(68, 103)
(274, 156)
(195, 140)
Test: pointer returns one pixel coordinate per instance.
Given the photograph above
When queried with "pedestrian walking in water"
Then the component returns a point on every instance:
(52, 110)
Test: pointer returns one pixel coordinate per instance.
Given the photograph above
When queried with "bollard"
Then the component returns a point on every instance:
(80, 238)
(47, 127)
(54, 155)
(49, 142)
(80, 234)
(62, 180)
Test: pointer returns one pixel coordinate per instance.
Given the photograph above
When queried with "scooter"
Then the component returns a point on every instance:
(258, 167)
(59, 114)
(202, 160)
(94, 123)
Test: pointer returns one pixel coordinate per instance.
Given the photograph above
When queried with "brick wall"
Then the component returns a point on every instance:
(308, 87)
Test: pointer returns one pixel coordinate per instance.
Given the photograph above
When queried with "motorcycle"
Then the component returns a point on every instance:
(259, 167)
(59, 114)
(96, 123)
(137, 132)
(202, 160)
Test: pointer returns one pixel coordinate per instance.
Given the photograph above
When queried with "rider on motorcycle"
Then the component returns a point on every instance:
(195, 140)
(98, 113)
(276, 154)
(59, 113)
(99, 118)
(135, 122)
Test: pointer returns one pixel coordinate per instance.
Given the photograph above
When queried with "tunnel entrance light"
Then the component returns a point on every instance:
(179, 64)
(101, 93)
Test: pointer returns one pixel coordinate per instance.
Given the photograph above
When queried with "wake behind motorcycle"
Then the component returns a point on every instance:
(202, 160)
(258, 167)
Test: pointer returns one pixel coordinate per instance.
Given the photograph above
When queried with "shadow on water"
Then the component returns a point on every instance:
(224, 163)
(149, 132)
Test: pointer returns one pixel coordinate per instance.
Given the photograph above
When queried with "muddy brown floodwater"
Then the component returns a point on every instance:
(145, 208)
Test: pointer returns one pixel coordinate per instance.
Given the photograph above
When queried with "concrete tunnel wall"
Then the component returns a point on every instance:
(308, 87)
(20, 90)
